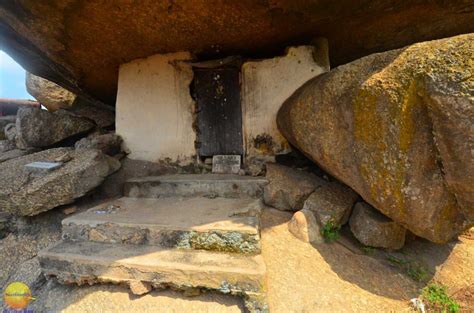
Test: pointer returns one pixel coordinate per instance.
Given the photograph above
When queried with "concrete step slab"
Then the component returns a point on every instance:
(192, 185)
(93, 262)
(220, 224)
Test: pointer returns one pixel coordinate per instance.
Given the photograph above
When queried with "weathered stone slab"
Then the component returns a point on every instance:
(226, 225)
(93, 262)
(226, 164)
(188, 185)
(25, 194)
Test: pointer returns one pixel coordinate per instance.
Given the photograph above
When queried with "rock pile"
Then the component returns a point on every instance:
(326, 208)
(33, 181)
(397, 127)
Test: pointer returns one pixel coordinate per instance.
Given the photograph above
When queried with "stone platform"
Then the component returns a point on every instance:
(220, 224)
(190, 185)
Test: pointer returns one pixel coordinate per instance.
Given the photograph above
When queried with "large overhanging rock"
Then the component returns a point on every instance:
(80, 44)
(27, 193)
(397, 127)
(55, 97)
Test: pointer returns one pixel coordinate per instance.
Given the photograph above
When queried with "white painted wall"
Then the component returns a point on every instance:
(154, 110)
(266, 84)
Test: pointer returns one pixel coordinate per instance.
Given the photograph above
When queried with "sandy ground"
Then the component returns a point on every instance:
(336, 277)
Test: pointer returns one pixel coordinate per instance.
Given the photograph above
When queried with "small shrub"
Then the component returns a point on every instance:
(438, 300)
(368, 250)
(330, 231)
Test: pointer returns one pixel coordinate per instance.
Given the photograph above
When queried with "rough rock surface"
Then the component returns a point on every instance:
(49, 94)
(374, 229)
(108, 143)
(303, 225)
(6, 145)
(4, 121)
(288, 188)
(15, 153)
(102, 116)
(10, 131)
(40, 128)
(397, 128)
(25, 193)
(331, 202)
(84, 50)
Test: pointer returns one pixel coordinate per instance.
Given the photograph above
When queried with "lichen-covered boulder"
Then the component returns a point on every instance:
(27, 193)
(374, 229)
(288, 188)
(331, 203)
(397, 127)
(38, 128)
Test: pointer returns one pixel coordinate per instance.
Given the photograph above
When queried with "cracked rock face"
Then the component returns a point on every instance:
(25, 193)
(397, 127)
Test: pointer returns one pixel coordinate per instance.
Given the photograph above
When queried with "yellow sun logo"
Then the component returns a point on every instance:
(17, 296)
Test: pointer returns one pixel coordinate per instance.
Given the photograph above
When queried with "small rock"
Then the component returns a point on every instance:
(10, 131)
(4, 121)
(192, 292)
(288, 188)
(303, 225)
(374, 229)
(331, 202)
(95, 235)
(109, 144)
(66, 157)
(140, 287)
(69, 210)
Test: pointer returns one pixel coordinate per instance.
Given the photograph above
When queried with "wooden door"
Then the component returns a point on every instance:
(219, 114)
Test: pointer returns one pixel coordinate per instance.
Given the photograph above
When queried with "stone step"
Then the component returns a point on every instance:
(220, 224)
(93, 262)
(191, 185)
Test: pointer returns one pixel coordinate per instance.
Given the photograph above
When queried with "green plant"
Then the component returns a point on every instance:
(438, 300)
(330, 231)
(413, 269)
(417, 273)
(368, 250)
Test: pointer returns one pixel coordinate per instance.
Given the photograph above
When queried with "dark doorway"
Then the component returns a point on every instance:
(219, 114)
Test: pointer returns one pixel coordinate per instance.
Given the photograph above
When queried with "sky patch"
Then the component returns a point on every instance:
(12, 79)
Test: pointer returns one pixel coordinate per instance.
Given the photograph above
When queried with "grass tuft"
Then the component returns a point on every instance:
(330, 231)
(438, 300)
